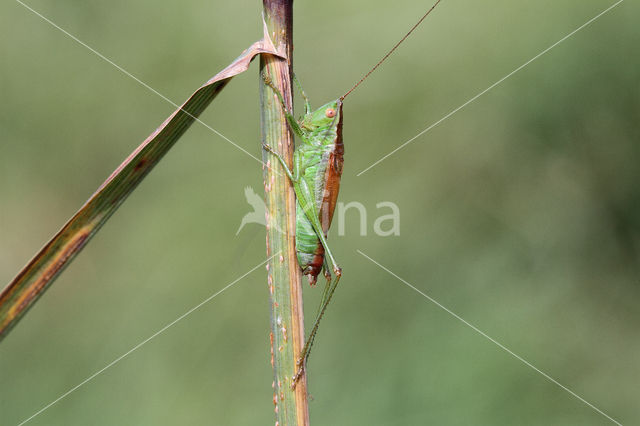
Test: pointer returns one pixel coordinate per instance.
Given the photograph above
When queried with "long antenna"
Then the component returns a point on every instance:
(391, 51)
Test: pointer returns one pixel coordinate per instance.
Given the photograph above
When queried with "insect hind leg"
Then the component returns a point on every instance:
(326, 272)
(306, 350)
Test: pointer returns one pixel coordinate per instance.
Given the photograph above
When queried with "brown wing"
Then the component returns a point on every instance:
(332, 177)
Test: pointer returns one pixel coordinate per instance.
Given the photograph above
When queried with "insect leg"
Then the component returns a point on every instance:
(309, 344)
(325, 293)
(306, 350)
(290, 118)
(293, 175)
(325, 270)
(307, 104)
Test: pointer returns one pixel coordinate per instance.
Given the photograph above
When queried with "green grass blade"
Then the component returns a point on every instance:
(48, 263)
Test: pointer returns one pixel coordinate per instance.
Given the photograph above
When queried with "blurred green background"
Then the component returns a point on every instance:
(520, 213)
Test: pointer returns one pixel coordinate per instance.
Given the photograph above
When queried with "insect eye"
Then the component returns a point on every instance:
(330, 112)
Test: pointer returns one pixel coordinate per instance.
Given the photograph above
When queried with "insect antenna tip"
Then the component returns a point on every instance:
(384, 58)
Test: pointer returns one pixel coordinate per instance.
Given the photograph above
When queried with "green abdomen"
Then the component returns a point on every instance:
(307, 241)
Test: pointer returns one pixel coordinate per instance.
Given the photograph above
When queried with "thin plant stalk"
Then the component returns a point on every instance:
(283, 272)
